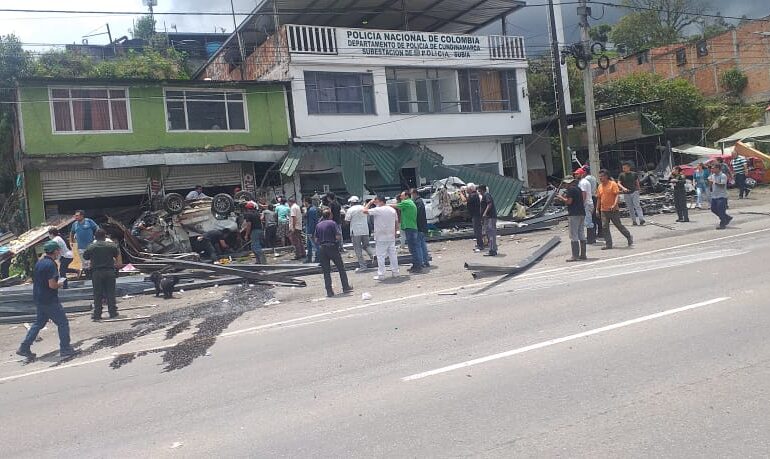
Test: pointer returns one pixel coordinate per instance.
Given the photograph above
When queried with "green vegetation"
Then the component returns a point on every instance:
(682, 104)
(733, 81)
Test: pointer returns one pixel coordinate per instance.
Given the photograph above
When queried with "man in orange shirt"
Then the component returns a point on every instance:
(608, 195)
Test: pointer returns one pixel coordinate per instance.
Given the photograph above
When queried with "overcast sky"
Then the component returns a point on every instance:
(62, 28)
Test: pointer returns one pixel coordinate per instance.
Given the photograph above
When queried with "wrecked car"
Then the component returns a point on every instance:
(174, 228)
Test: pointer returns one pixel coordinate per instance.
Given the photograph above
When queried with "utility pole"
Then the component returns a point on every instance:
(588, 86)
(566, 160)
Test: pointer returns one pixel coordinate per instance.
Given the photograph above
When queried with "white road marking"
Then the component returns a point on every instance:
(396, 300)
(552, 342)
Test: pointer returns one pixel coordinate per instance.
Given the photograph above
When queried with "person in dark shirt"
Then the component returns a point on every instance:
(327, 237)
(311, 220)
(45, 286)
(473, 202)
(214, 243)
(252, 231)
(680, 195)
(489, 219)
(103, 256)
(335, 207)
(631, 188)
(576, 212)
(270, 225)
(422, 227)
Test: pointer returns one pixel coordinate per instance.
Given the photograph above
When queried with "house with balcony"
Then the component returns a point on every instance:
(387, 98)
(112, 145)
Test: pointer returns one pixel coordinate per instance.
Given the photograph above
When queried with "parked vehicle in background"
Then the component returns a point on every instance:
(757, 169)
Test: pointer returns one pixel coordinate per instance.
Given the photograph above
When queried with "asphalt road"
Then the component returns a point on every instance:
(659, 351)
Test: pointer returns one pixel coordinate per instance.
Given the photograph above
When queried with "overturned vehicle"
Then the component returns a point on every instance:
(175, 227)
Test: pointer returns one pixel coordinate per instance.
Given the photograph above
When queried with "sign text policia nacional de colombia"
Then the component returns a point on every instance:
(413, 44)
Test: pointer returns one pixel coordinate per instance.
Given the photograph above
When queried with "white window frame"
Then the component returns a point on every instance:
(209, 131)
(51, 100)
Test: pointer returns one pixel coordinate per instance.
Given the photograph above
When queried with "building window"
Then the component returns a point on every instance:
(90, 110)
(643, 58)
(420, 91)
(510, 167)
(205, 110)
(488, 91)
(339, 93)
(613, 68)
(681, 56)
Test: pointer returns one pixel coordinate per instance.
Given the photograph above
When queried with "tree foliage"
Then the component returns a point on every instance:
(657, 22)
(540, 84)
(600, 33)
(152, 64)
(682, 106)
(734, 81)
(144, 28)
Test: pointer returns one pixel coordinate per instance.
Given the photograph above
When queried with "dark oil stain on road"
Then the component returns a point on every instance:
(216, 316)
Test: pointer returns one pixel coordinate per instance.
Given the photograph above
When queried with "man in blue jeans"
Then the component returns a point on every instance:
(718, 181)
(252, 231)
(422, 227)
(311, 220)
(45, 286)
(408, 211)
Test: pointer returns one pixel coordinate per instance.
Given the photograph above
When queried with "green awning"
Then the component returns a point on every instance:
(349, 159)
(387, 160)
(290, 163)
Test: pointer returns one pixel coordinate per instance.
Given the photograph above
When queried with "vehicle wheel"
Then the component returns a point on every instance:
(173, 203)
(222, 204)
(244, 196)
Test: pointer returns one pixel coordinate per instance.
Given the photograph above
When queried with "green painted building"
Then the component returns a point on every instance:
(107, 145)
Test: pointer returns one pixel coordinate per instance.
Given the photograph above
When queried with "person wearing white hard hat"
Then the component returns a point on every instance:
(359, 232)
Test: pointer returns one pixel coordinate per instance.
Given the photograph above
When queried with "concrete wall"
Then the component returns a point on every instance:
(266, 109)
(383, 126)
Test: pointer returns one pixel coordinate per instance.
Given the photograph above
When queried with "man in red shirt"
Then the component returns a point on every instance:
(608, 195)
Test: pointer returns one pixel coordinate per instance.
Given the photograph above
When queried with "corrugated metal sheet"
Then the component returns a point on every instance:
(290, 163)
(352, 163)
(504, 190)
(186, 177)
(62, 185)
(387, 160)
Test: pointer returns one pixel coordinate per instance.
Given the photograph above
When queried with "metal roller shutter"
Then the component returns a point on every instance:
(62, 185)
(186, 177)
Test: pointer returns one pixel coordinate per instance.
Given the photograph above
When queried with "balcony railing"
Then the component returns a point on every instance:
(311, 39)
(503, 47)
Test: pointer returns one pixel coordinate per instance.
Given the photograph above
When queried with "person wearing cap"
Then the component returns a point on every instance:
(45, 285)
(588, 204)
(576, 212)
(295, 229)
(103, 256)
(359, 232)
(252, 231)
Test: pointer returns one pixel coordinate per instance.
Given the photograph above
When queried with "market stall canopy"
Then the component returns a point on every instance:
(760, 132)
(696, 150)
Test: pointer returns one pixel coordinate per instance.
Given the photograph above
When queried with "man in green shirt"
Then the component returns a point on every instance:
(629, 185)
(103, 256)
(408, 216)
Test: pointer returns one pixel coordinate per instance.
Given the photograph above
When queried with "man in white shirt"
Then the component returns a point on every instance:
(588, 203)
(359, 232)
(196, 194)
(385, 229)
(295, 229)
